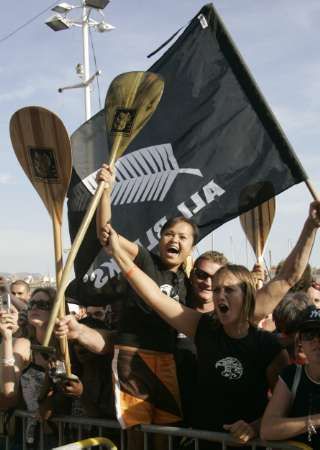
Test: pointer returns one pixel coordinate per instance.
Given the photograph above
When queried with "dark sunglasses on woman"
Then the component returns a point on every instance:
(43, 305)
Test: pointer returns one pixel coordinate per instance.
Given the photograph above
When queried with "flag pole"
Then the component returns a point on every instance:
(312, 190)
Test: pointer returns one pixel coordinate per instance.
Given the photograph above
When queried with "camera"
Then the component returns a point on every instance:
(5, 302)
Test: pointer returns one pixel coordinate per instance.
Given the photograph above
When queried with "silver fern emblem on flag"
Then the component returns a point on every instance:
(144, 175)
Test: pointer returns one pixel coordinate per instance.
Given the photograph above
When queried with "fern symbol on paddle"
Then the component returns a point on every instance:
(146, 175)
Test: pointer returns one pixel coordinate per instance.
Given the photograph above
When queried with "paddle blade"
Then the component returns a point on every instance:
(257, 223)
(42, 147)
(131, 100)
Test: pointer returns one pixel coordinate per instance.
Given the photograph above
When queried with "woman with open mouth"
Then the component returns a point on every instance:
(237, 362)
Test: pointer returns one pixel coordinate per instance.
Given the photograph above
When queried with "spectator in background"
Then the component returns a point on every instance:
(21, 290)
(285, 317)
(97, 312)
(294, 408)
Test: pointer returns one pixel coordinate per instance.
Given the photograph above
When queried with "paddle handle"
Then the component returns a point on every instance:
(57, 239)
(312, 190)
(71, 257)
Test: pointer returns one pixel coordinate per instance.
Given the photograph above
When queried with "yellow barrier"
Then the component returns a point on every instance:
(87, 443)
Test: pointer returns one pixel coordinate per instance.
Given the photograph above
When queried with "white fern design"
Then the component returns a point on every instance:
(144, 175)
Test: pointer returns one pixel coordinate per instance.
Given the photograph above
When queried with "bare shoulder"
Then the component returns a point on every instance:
(22, 346)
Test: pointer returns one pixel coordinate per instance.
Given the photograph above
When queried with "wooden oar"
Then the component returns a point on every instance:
(131, 100)
(42, 146)
(256, 224)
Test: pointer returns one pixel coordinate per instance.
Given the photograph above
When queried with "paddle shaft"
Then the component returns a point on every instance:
(57, 238)
(70, 260)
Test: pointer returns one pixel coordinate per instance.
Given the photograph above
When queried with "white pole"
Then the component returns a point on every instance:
(86, 61)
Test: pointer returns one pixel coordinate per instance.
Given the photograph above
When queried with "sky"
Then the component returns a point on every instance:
(279, 41)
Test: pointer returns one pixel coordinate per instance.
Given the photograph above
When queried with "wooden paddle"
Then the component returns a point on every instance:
(131, 100)
(42, 146)
(256, 224)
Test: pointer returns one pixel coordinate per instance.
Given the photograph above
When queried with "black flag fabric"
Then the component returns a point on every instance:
(211, 151)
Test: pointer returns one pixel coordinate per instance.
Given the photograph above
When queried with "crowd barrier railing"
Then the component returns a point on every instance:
(104, 427)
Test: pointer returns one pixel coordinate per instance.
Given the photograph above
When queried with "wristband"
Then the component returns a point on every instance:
(7, 361)
(130, 271)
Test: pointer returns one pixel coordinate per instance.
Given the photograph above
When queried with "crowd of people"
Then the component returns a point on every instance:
(222, 349)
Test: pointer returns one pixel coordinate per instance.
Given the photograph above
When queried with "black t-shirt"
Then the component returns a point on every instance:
(306, 401)
(139, 325)
(232, 382)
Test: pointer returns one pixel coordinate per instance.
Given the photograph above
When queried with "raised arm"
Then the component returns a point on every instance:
(293, 267)
(183, 319)
(103, 215)
(15, 355)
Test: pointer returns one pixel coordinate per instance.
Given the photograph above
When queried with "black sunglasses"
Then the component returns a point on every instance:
(201, 274)
(310, 334)
(43, 305)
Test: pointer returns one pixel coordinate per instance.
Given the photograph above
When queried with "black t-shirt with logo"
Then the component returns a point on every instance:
(139, 326)
(232, 382)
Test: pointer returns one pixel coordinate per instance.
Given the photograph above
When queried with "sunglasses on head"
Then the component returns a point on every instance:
(309, 335)
(201, 274)
(43, 305)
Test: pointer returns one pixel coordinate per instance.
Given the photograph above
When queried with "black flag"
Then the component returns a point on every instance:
(211, 151)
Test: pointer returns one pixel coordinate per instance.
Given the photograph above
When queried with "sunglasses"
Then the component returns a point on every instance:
(201, 274)
(310, 335)
(43, 305)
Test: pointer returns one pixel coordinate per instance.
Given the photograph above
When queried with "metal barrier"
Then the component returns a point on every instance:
(104, 427)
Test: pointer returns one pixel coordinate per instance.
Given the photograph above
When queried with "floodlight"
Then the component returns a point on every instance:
(58, 23)
(104, 26)
(98, 4)
(63, 8)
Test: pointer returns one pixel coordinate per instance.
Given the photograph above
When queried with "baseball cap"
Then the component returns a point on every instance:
(308, 318)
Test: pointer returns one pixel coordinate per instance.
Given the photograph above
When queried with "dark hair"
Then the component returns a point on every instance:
(174, 220)
(21, 283)
(49, 291)
(212, 256)
(287, 312)
(248, 288)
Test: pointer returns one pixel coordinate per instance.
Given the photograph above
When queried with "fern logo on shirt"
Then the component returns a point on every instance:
(230, 368)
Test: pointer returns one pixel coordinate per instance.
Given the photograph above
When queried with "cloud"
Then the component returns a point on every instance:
(6, 178)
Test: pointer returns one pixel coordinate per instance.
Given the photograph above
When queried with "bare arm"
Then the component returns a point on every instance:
(276, 425)
(15, 354)
(95, 340)
(103, 215)
(183, 319)
(270, 295)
